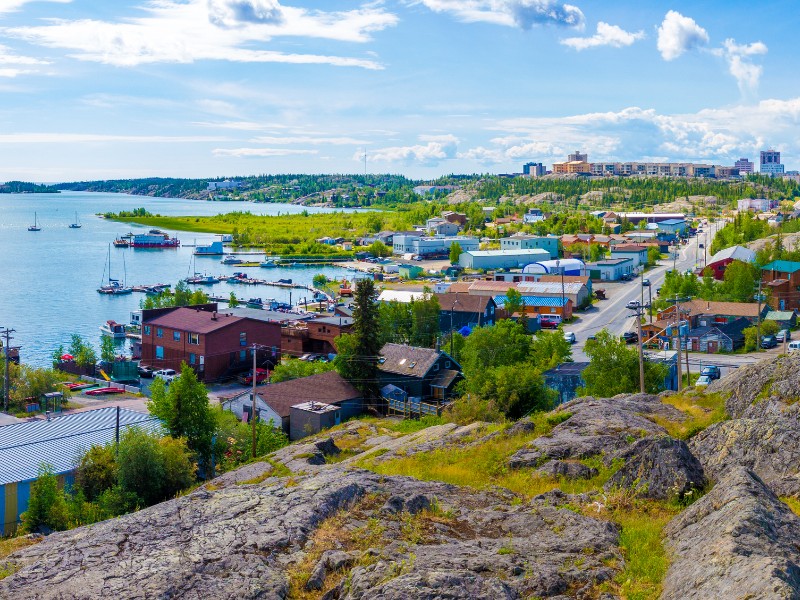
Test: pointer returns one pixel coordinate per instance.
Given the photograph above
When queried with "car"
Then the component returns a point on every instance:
(144, 371)
(570, 337)
(626, 277)
(702, 381)
(658, 291)
(784, 335)
(549, 324)
(166, 375)
(246, 378)
(700, 245)
(633, 305)
(768, 341)
(711, 371)
(645, 282)
(307, 357)
(630, 337)
(592, 338)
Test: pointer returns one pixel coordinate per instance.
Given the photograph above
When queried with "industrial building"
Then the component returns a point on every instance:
(501, 259)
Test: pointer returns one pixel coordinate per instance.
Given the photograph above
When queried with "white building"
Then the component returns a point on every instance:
(223, 185)
(756, 204)
(501, 259)
(425, 246)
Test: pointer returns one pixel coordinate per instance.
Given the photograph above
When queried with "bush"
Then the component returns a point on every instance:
(47, 507)
(96, 472)
(234, 440)
(471, 408)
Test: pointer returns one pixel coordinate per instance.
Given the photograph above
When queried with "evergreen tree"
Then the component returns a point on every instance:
(358, 351)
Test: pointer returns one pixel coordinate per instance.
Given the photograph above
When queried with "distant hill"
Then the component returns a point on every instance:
(26, 187)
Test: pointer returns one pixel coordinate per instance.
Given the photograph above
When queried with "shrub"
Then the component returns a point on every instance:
(47, 507)
(96, 472)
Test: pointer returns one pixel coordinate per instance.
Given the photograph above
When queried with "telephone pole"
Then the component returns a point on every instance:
(253, 411)
(6, 379)
(758, 321)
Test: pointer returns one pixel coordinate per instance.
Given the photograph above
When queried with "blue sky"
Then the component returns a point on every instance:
(201, 88)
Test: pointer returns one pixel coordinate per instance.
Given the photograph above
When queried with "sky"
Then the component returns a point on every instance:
(99, 89)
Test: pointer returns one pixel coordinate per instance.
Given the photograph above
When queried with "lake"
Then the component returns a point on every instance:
(49, 279)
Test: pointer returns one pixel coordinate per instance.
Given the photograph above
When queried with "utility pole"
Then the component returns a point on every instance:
(678, 339)
(253, 411)
(641, 349)
(758, 321)
(7, 379)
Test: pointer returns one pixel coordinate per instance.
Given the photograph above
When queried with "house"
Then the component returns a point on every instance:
(756, 204)
(725, 337)
(784, 294)
(636, 252)
(501, 259)
(541, 307)
(215, 344)
(274, 402)
(315, 336)
(527, 242)
(611, 269)
(701, 313)
(465, 310)
(455, 217)
(416, 380)
(58, 442)
(582, 279)
(565, 379)
(534, 215)
(723, 258)
(445, 228)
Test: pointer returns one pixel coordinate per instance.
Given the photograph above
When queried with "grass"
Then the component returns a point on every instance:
(278, 470)
(11, 545)
(794, 504)
(701, 410)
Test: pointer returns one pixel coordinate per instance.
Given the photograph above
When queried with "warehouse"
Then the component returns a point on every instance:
(501, 259)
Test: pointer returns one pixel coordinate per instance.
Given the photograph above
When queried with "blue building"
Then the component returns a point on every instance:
(675, 226)
(59, 442)
(531, 242)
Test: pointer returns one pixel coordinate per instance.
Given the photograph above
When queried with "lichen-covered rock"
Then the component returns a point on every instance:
(566, 469)
(658, 467)
(598, 426)
(738, 541)
(768, 446)
(241, 542)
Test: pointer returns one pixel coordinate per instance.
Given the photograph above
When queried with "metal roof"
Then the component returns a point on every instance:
(61, 441)
(734, 253)
(782, 266)
(534, 301)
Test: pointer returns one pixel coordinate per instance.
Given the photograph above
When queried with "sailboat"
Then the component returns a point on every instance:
(35, 226)
(199, 279)
(114, 287)
(76, 224)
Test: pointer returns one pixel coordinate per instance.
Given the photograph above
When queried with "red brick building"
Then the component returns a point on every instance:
(315, 336)
(215, 344)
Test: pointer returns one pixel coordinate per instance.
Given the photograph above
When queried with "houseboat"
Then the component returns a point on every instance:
(155, 238)
(113, 330)
(121, 243)
(230, 259)
(215, 249)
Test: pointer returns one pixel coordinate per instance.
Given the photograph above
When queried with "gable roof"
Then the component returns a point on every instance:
(629, 248)
(732, 309)
(734, 253)
(408, 360)
(782, 266)
(193, 320)
(466, 303)
(328, 388)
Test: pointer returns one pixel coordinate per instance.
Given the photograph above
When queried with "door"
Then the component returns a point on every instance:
(713, 347)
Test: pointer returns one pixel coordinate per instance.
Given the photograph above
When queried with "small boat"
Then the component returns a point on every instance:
(114, 287)
(76, 224)
(35, 226)
(202, 279)
(113, 329)
(105, 390)
(255, 303)
(268, 264)
(121, 243)
(230, 259)
(286, 281)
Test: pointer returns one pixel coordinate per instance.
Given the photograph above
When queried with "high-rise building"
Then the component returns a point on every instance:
(577, 157)
(771, 162)
(534, 169)
(744, 166)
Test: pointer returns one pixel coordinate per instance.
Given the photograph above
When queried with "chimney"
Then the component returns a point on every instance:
(214, 316)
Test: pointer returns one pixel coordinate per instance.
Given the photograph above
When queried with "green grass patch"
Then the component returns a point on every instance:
(793, 503)
(413, 425)
(701, 411)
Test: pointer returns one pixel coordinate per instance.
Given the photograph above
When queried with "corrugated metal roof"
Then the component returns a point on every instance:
(534, 301)
(782, 266)
(61, 441)
(548, 287)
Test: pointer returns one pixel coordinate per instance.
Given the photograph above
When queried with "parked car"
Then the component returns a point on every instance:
(645, 282)
(549, 324)
(784, 335)
(711, 371)
(145, 371)
(768, 341)
(626, 277)
(658, 291)
(247, 378)
(701, 245)
(570, 337)
(794, 347)
(167, 375)
(702, 381)
(630, 337)
(633, 305)
(591, 337)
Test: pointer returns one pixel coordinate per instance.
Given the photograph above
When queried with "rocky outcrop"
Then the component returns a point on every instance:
(771, 382)
(738, 541)
(598, 426)
(567, 469)
(421, 540)
(660, 468)
(769, 446)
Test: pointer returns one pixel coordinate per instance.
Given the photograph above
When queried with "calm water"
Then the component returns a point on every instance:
(49, 279)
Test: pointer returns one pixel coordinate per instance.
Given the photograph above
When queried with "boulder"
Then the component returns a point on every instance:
(598, 426)
(658, 467)
(566, 469)
(738, 541)
(769, 446)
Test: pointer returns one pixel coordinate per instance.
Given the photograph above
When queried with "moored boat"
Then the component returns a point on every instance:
(35, 226)
(230, 259)
(113, 329)
(76, 224)
(121, 243)
(155, 238)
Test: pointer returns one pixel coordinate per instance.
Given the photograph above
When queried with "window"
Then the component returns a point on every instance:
(447, 365)
(194, 338)
(192, 359)
(242, 355)
(159, 332)
(243, 338)
(159, 351)
(436, 367)
(147, 329)
(176, 335)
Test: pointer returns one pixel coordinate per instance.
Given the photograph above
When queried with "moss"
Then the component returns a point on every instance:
(794, 504)
(278, 470)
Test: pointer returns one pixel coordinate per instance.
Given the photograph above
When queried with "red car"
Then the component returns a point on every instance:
(549, 324)
(262, 375)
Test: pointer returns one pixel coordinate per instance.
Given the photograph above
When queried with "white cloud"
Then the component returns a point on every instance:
(607, 35)
(89, 138)
(316, 141)
(737, 56)
(511, 13)
(7, 6)
(678, 34)
(437, 149)
(187, 31)
(259, 152)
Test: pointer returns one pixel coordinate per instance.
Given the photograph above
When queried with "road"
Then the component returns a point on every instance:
(612, 314)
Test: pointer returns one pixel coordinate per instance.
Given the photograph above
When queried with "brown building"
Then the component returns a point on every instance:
(454, 217)
(216, 345)
(314, 337)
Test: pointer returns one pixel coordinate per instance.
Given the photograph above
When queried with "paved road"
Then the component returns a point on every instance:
(612, 314)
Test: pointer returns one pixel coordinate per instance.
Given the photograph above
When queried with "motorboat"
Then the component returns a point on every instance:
(113, 330)
(230, 259)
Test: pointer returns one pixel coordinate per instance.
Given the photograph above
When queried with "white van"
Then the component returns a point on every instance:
(794, 347)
